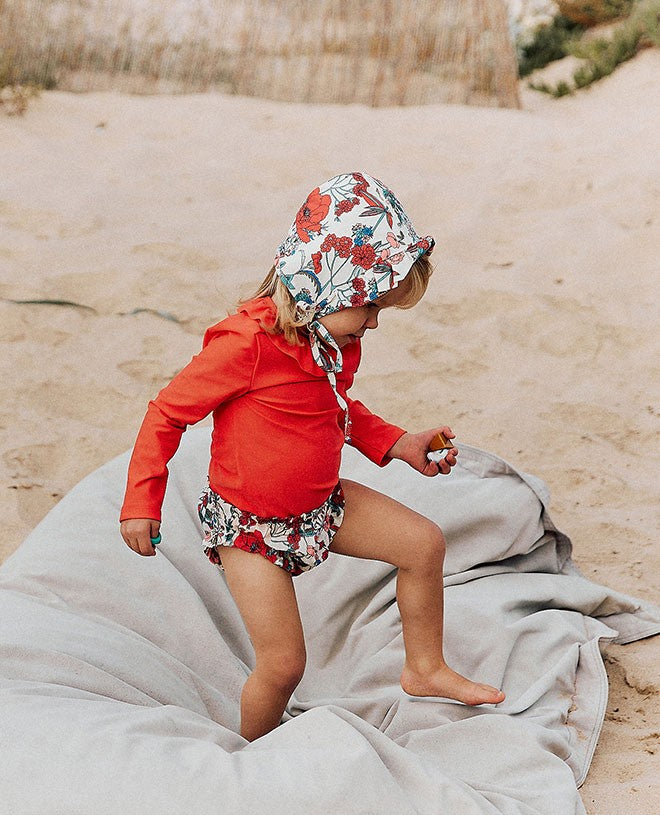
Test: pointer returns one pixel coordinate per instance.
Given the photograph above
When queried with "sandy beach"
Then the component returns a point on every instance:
(143, 219)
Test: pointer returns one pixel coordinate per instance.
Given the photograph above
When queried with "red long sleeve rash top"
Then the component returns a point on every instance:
(277, 428)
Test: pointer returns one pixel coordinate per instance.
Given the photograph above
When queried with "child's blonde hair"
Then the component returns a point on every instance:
(289, 322)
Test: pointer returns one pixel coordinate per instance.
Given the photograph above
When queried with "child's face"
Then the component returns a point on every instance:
(350, 324)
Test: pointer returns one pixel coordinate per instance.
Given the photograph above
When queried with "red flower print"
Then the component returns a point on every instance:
(363, 256)
(293, 538)
(421, 244)
(358, 299)
(316, 257)
(212, 554)
(346, 205)
(251, 542)
(311, 213)
(361, 189)
(358, 284)
(329, 243)
(344, 246)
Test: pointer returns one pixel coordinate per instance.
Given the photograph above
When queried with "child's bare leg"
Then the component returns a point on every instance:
(267, 603)
(378, 528)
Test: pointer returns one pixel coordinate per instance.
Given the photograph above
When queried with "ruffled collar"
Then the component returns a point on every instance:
(264, 311)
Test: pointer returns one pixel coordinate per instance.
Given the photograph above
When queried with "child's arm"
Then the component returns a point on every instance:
(381, 441)
(221, 371)
(370, 434)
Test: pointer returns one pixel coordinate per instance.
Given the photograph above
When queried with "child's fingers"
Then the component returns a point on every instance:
(137, 535)
(142, 545)
(146, 547)
(444, 466)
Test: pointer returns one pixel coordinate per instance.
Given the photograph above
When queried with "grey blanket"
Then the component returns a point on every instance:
(121, 676)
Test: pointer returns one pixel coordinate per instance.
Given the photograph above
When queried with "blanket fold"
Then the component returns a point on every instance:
(120, 676)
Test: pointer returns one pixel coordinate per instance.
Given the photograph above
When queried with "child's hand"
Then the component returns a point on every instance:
(138, 532)
(413, 447)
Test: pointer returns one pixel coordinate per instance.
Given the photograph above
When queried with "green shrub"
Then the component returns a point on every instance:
(550, 43)
(560, 89)
(602, 55)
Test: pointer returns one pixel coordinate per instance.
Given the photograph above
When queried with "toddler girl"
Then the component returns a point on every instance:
(276, 376)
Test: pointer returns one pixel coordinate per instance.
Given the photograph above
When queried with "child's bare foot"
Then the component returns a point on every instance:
(448, 684)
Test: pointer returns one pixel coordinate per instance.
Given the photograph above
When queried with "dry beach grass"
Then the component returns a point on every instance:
(128, 224)
(385, 53)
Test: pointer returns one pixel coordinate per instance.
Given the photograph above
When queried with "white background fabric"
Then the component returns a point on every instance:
(120, 676)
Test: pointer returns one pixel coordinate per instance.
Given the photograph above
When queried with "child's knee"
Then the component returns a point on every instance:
(285, 669)
(431, 546)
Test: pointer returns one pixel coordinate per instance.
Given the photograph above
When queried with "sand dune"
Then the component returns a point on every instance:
(147, 217)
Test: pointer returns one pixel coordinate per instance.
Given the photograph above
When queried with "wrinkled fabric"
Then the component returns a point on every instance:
(114, 666)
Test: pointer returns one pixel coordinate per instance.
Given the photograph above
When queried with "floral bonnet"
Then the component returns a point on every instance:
(351, 242)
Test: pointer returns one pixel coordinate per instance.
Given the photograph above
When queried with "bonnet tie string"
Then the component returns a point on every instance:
(318, 337)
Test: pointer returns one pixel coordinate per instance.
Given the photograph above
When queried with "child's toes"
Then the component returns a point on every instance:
(492, 696)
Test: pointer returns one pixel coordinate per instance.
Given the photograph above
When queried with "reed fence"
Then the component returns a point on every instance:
(374, 52)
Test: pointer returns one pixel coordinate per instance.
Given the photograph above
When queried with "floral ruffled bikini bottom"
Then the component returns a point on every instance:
(296, 544)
